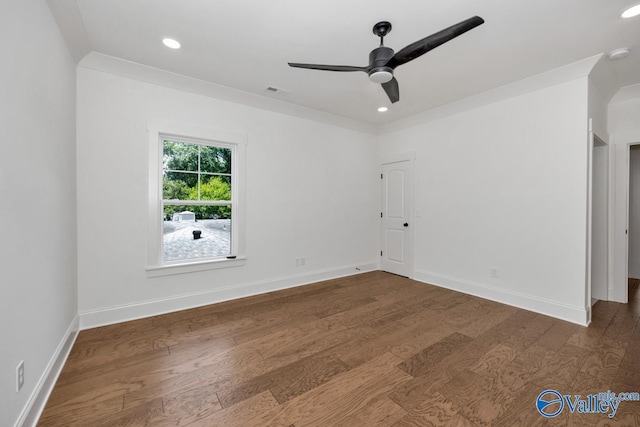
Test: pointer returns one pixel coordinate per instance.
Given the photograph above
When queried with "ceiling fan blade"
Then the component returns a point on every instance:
(327, 67)
(393, 92)
(419, 48)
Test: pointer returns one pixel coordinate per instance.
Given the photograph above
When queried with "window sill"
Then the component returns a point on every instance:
(192, 267)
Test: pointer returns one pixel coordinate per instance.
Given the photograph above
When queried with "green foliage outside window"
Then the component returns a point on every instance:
(196, 172)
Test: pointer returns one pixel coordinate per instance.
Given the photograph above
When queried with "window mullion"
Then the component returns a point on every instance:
(178, 170)
(197, 202)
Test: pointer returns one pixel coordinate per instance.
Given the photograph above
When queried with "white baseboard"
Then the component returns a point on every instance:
(123, 313)
(38, 399)
(574, 314)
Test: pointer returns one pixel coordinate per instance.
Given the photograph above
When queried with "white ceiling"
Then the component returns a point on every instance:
(246, 44)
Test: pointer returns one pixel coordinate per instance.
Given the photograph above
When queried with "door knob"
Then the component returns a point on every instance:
(406, 224)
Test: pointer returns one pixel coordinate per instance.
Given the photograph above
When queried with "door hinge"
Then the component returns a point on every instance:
(380, 176)
(380, 253)
(380, 214)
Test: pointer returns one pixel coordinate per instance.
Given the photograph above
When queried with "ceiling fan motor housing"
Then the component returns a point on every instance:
(378, 58)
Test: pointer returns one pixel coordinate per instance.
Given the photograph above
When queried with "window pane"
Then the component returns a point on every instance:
(215, 159)
(180, 186)
(180, 156)
(213, 224)
(215, 187)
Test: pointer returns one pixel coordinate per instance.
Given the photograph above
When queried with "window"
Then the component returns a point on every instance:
(196, 200)
(195, 211)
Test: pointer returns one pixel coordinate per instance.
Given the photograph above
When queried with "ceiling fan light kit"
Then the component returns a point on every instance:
(383, 60)
(381, 76)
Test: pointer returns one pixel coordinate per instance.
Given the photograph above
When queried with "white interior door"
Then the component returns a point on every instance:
(397, 226)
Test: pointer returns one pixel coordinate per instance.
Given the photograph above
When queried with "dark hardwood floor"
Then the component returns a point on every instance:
(367, 350)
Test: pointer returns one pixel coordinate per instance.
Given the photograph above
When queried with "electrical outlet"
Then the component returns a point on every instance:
(300, 261)
(494, 272)
(19, 376)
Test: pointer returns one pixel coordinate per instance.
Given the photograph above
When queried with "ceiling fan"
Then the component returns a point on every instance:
(383, 60)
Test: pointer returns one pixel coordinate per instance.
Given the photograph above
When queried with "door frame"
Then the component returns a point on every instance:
(604, 201)
(386, 159)
(619, 291)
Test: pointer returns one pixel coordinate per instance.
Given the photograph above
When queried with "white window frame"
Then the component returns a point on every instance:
(158, 132)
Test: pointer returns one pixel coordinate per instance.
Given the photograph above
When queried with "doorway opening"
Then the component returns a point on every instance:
(633, 230)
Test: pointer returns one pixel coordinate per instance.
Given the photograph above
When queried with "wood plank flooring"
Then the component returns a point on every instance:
(367, 350)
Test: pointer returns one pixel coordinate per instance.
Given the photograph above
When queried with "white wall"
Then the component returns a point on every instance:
(634, 212)
(597, 103)
(624, 128)
(504, 186)
(312, 191)
(38, 299)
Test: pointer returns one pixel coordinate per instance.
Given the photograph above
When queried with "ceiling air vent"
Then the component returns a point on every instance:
(278, 90)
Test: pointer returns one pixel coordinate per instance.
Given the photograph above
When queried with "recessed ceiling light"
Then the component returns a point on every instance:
(382, 109)
(631, 12)
(173, 44)
(623, 52)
